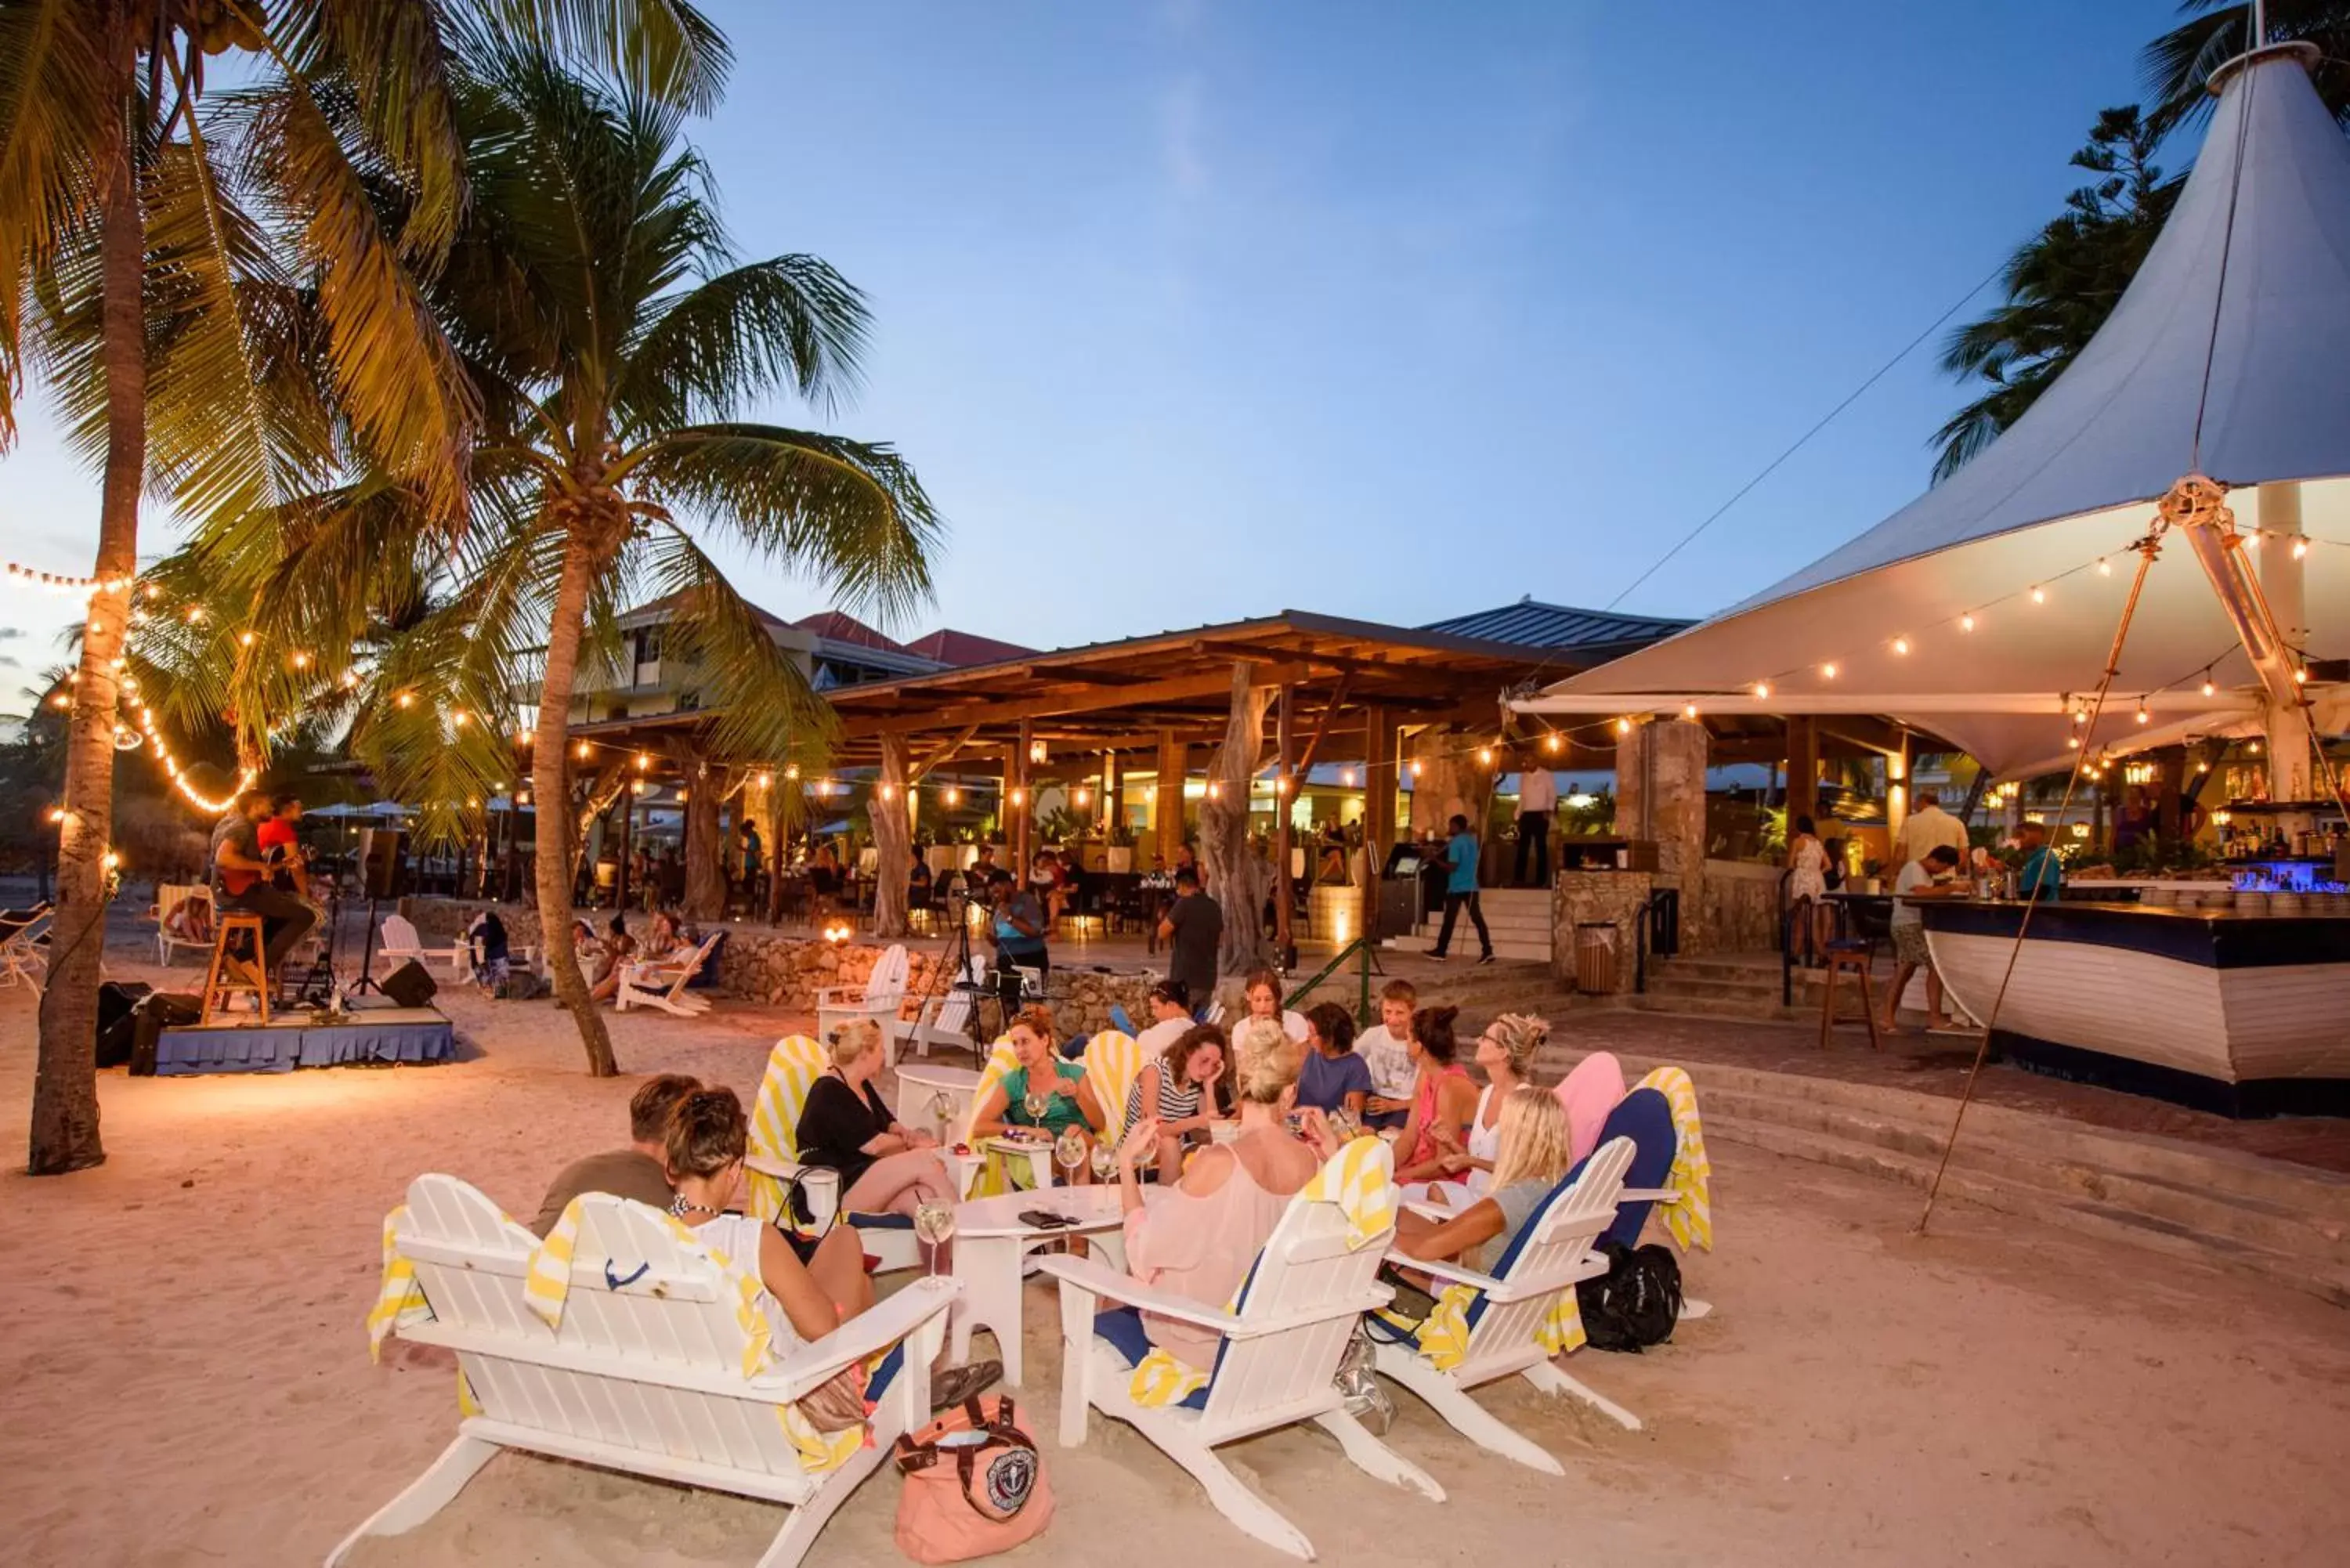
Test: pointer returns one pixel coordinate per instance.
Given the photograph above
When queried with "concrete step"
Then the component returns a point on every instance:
(1679, 984)
(1527, 926)
(2285, 1222)
(1710, 1006)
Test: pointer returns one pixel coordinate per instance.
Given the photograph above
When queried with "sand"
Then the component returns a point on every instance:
(188, 1381)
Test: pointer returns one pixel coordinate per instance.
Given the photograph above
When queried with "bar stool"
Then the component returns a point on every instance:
(1849, 955)
(232, 973)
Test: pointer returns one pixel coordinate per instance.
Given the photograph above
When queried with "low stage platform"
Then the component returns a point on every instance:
(291, 1040)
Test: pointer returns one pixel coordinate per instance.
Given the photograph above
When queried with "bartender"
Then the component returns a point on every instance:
(2042, 875)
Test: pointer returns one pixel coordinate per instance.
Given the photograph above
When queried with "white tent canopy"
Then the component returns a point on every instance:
(1937, 604)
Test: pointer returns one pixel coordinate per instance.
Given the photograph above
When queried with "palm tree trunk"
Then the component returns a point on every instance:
(1229, 870)
(552, 861)
(894, 841)
(705, 840)
(65, 1086)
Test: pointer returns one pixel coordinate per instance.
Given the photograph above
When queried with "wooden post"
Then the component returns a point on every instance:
(1803, 769)
(1284, 790)
(2170, 786)
(1897, 790)
(1174, 762)
(1113, 810)
(1378, 810)
(1023, 807)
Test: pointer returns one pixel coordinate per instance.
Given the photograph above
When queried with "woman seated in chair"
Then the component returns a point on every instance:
(1530, 1158)
(808, 1288)
(1506, 1051)
(885, 1167)
(1066, 1099)
(190, 921)
(1200, 1238)
(1442, 1099)
(616, 948)
(1175, 1093)
(1264, 995)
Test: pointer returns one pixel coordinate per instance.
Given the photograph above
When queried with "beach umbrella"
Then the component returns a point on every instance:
(1985, 611)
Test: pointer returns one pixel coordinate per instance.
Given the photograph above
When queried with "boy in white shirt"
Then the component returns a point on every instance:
(1385, 1049)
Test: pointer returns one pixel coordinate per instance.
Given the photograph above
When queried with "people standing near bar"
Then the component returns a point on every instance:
(1193, 929)
(2041, 874)
(1537, 799)
(1931, 878)
(1460, 893)
(1928, 825)
(1807, 885)
(240, 878)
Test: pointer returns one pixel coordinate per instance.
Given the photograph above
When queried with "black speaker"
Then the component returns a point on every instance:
(409, 986)
(116, 1030)
(383, 862)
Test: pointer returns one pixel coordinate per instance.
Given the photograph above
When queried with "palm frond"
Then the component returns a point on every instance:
(2177, 67)
(849, 514)
(61, 106)
(790, 322)
(759, 699)
(663, 49)
(396, 64)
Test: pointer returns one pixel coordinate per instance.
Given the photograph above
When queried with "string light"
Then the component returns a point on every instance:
(1215, 791)
(1020, 796)
(1346, 777)
(636, 786)
(2300, 548)
(791, 771)
(406, 699)
(953, 796)
(1280, 785)
(1967, 623)
(2301, 677)
(245, 639)
(301, 659)
(1827, 673)
(2143, 716)
(1622, 726)
(2073, 743)
(1418, 767)
(1762, 689)
(1084, 797)
(1550, 743)
(195, 614)
(460, 718)
(1484, 756)
(889, 792)
(56, 583)
(2208, 689)
(57, 815)
(1689, 710)
(644, 761)
(1900, 645)
(2105, 569)
(765, 779)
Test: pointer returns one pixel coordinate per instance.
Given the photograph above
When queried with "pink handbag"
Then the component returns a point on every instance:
(974, 1485)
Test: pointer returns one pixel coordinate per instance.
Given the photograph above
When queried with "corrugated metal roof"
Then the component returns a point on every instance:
(1532, 624)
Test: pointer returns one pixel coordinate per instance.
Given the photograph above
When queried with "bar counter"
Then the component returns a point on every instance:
(2248, 1015)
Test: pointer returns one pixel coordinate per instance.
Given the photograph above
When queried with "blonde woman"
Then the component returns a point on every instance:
(1533, 1157)
(1200, 1237)
(1259, 1044)
(885, 1165)
(1506, 1053)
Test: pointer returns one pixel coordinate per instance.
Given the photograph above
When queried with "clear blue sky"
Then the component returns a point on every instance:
(1195, 309)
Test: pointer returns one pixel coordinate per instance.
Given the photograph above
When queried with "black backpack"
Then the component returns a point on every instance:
(1634, 1304)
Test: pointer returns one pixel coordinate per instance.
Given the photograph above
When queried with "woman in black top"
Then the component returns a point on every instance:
(886, 1168)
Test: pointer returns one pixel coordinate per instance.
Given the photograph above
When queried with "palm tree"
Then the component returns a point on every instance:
(136, 277)
(2061, 286)
(620, 351)
(2178, 64)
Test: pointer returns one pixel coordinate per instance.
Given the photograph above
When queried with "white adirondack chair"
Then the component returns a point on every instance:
(966, 1168)
(399, 942)
(169, 897)
(661, 983)
(773, 1163)
(23, 955)
(645, 1374)
(879, 998)
(1282, 1339)
(944, 1018)
(1553, 1251)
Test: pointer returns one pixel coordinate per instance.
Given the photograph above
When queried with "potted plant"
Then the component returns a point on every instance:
(1118, 854)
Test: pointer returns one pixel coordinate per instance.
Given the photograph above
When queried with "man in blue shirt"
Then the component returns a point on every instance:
(2042, 875)
(1460, 889)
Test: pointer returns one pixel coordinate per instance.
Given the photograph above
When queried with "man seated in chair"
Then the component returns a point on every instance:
(635, 1172)
(240, 879)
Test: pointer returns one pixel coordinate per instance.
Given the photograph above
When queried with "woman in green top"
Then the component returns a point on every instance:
(1067, 1098)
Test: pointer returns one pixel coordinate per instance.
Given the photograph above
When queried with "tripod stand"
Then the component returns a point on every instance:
(366, 981)
(952, 971)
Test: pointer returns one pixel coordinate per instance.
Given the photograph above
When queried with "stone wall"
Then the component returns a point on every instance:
(1585, 897)
(1741, 910)
(759, 964)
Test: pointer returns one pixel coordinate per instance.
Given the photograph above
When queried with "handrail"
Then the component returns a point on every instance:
(1370, 965)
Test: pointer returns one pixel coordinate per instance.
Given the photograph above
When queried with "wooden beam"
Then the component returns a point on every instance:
(1188, 688)
(1322, 723)
(945, 752)
(1257, 653)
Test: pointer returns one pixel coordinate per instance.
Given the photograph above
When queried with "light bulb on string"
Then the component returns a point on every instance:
(2208, 689)
(1484, 756)
(791, 771)
(2300, 548)
(2104, 567)
(1689, 710)
(1762, 689)
(2039, 594)
(300, 659)
(1622, 726)
(1550, 743)
(2143, 716)
(953, 796)
(1418, 767)
(889, 791)
(406, 699)
(245, 639)
(1827, 671)
(580, 751)
(765, 780)
(1966, 622)
(644, 761)
(1346, 777)
(1900, 645)
(195, 614)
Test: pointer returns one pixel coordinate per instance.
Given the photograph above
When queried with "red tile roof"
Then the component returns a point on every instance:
(847, 629)
(961, 649)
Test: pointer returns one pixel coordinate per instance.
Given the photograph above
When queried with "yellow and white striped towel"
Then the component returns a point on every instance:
(1445, 1338)
(793, 1068)
(1690, 1221)
(548, 1285)
(399, 1301)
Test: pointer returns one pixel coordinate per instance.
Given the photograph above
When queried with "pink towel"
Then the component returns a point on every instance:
(1593, 1089)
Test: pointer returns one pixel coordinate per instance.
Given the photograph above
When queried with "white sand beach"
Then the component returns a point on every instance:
(188, 1379)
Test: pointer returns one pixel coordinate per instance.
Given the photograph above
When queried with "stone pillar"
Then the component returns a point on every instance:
(1660, 796)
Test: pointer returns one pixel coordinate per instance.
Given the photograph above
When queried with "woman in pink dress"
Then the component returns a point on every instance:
(1199, 1237)
(1443, 1099)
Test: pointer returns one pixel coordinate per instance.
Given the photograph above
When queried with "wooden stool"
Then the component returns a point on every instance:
(231, 973)
(1845, 957)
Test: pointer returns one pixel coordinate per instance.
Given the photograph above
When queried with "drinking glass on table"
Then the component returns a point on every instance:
(934, 1222)
(1036, 1103)
(1069, 1153)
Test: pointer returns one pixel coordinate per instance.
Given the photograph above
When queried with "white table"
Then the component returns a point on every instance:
(991, 1245)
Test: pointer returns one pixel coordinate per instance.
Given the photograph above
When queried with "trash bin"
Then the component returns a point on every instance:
(1594, 958)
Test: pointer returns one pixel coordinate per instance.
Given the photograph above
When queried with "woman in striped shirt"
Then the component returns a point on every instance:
(1177, 1090)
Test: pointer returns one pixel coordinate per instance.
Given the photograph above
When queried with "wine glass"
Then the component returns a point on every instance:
(1105, 1162)
(934, 1221)
(1037, 1104)
(942, 1110)
(1069, 1153)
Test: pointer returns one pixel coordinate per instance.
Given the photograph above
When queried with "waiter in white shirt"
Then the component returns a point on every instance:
(1537, 799)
